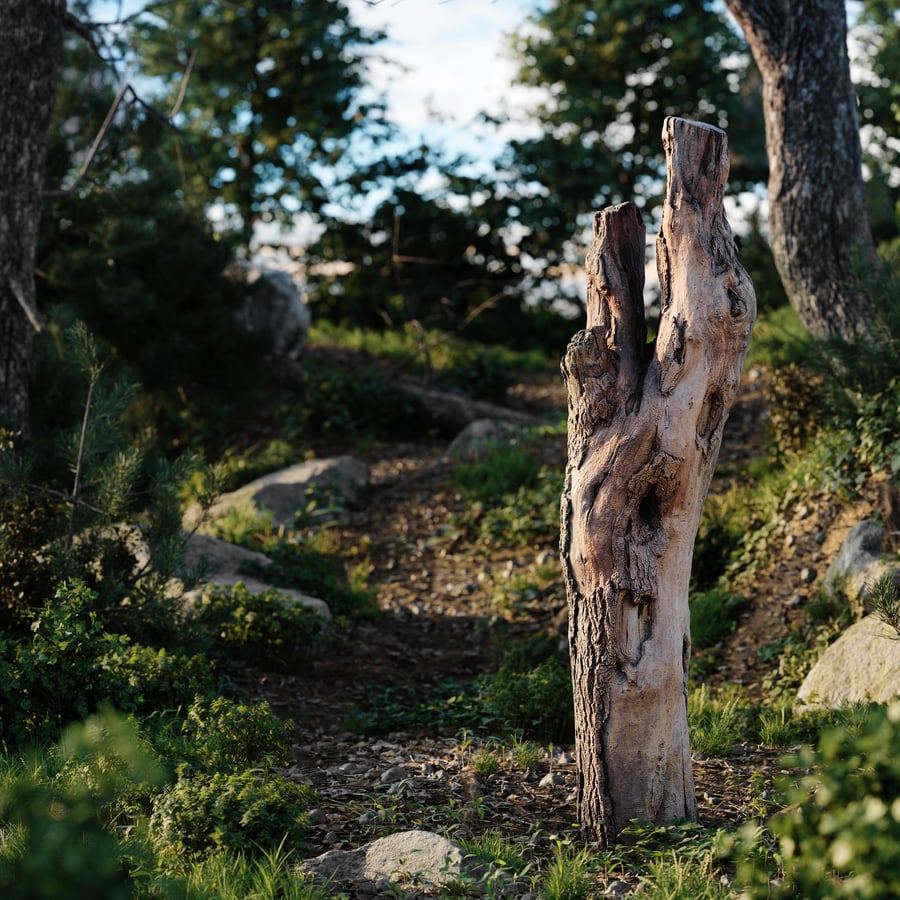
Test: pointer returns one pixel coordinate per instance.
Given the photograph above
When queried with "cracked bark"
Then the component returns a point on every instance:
(645, 426)
(816, 192)
(31, 34)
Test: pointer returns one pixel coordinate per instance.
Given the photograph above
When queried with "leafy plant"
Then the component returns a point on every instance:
(537, 702)
(266, 628)
(862, 374)
(202, 814)
(225, 736)
(58, 807)
(839, 835)
(505, 470)
(525, 515)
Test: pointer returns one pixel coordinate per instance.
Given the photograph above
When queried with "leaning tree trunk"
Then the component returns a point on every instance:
(817, 197)
(645, 425)
(31, 33)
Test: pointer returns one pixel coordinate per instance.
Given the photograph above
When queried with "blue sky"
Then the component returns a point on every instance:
(453, 52)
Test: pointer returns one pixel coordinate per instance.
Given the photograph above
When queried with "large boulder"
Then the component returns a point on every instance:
(340, 482)
(863, 664)
(407, 857)
(223, 565)
(275, 307)
(859, 564)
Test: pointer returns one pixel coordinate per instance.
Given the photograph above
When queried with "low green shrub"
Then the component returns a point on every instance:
(143, 679)
(537, 702)
(318, 573)
(222, 735)
(265, 629)
(70, 665)
(202, 814)
(840, 832)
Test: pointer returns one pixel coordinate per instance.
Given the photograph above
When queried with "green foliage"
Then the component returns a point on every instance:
(713, 616)
(143, 679)
(494, 848)
(267, 119)
(537, 702)
(127, 248)
(355, 402)
(54, 674)
(58, 809)
(270, 875)
(862, 374)
(778, 338)
(525, 515)
(71, 664)
(505, 470)
(672, 878)
(313, 567)
(885, 598)
(716, 722)
(611, 73)
(266, 629)
(568, 875)
(838, 837)
(85, 476)
(221, 735)
(202, 814)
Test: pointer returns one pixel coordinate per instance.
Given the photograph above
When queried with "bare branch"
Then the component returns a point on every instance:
(30, 310)
(95, 146)
(185, 78)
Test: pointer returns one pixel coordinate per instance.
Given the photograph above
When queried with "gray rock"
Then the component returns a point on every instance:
(392, 775)
(221, 566)
(274, 307)
(482, 436)
(859, 563)
(340, 481)
(209, 555)
(402, 858)
(862, 664)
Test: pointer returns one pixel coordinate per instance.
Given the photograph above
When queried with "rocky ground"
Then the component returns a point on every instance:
(439, 619)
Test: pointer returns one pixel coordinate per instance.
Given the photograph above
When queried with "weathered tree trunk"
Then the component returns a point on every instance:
(645, 425)
(817, 198)
(31, 33)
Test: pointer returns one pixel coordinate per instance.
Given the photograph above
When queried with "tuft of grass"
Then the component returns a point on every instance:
(673, 878)
(716, 723)
(569, 874)
(237, 876)
(497, 850)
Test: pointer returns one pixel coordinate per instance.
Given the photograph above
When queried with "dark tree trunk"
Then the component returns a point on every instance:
(817, 201)
(31, 34)
(645, 425)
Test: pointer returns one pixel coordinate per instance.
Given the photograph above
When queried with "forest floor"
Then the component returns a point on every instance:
(439, 619)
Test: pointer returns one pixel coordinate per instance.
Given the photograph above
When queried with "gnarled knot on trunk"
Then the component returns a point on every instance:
(590, 369)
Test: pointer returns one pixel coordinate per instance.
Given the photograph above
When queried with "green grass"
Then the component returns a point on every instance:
(713, 616)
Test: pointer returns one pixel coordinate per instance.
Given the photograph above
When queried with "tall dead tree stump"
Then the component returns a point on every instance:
(645, 426)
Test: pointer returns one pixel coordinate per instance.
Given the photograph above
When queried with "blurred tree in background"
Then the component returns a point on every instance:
(270, 98)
